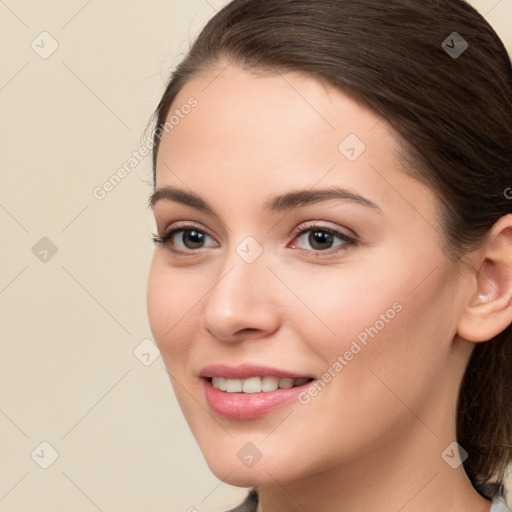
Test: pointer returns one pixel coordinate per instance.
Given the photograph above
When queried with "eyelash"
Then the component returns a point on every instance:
(167, 236)
(348, 241)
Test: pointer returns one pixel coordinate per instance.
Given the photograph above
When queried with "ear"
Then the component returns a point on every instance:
(489, 309)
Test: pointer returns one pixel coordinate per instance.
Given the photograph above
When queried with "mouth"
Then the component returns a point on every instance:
(249, 392)
(265, 384)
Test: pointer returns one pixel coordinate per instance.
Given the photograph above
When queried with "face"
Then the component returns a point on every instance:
(295, 251)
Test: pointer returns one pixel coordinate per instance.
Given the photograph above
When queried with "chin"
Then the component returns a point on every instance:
(239, 479)
(231, 462)
(239, 476)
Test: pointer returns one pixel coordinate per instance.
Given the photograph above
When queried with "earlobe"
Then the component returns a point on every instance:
(489, 309)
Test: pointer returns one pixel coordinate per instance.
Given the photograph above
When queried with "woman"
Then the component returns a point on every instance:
(331, 284)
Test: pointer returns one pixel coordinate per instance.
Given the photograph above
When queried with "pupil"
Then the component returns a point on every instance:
(195, 238)
(320, 237)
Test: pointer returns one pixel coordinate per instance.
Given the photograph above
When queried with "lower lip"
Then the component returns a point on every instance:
(247, 406)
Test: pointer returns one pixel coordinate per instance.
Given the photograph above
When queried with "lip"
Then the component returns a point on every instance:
(245, 371)
(247, 406)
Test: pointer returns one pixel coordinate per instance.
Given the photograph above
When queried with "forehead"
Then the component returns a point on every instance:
(273, 108)
(252, 132)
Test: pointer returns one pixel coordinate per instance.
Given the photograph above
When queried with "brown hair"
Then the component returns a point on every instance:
(452, 111)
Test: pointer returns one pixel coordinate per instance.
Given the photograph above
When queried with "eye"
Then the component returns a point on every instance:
(322, 239)
(184, 239)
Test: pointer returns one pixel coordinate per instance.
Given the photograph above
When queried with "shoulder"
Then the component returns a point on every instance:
(250, 503)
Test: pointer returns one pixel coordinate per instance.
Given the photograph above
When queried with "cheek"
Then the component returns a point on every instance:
(172, 300)
(334, 306)
(395, 319)
(398, 344)
(386, 361)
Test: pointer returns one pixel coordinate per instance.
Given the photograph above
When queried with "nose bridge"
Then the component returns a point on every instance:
(241, 296)
(243, 270)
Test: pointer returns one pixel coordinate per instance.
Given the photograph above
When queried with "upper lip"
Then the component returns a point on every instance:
(245, 371)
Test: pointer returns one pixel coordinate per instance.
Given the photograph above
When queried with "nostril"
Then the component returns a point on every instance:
(248, 330)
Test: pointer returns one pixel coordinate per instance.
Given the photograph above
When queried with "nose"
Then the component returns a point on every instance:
(242, 303)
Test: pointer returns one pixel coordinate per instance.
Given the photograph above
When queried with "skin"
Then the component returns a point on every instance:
(372, 439)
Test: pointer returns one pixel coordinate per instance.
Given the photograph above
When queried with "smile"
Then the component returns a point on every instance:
(256, 384)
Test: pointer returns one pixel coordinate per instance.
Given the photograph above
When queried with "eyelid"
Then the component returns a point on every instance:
(184, 225)
(324, 225)
(167, 213)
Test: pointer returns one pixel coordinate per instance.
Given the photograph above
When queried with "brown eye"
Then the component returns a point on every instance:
(322, 239)
(192, 238)
(185, 239)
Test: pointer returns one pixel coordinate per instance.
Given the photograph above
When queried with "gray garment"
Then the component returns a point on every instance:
(498, 505)
(251, 504)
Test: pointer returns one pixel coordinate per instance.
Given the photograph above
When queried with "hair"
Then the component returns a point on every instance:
(452, 115)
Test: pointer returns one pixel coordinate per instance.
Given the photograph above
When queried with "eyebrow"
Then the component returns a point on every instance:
(277, 204)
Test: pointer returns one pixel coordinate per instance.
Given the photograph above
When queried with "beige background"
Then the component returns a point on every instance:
(70, 324)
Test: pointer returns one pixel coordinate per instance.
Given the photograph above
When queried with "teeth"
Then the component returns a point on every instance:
(233, 385)
(252, 385)
(255, 384)
(269, 383)
(219, 383)
(286, 383)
